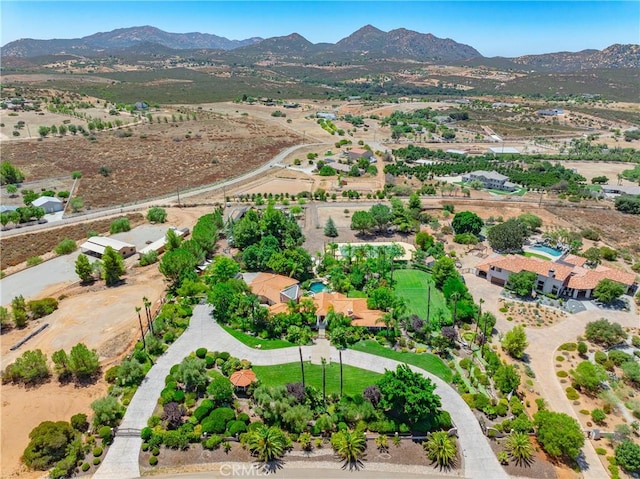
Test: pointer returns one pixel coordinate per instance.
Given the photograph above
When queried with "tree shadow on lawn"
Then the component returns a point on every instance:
(270, 467)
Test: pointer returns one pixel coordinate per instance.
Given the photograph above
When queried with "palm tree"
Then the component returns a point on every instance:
(519, 448)
(268, 443)
(138, 308)
(349, 446)
(441, 449)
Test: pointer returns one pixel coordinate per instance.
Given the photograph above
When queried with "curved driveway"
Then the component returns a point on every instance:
(121, 461)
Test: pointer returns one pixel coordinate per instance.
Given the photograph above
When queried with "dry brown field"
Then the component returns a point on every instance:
(156, 160)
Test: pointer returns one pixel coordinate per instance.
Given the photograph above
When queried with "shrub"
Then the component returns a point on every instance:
(146, 433)
(42, 307)
(105, 434)
(572, 394)
(96, 461)
(562, 374)
(157, 215)
(66, 246)
(111, 374)
(34, 260)
(598, 416)
(201, 352)
(79, 422)
(148, 258)
(153, 460)
(213, 442)
(85, 467)
(97, 451)
(600, 357)
(145, 446)
(119, 226)
(600, 451)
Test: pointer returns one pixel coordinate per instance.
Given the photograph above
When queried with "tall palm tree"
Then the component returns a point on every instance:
(349, 446)
(519, 448)
(441, 449)
(268, 443)
(138, 308)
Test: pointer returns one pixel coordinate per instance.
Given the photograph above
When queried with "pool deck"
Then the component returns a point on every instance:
(531, 249)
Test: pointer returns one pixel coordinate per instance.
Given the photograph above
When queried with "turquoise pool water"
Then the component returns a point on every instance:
(318, 287)
(547, 249)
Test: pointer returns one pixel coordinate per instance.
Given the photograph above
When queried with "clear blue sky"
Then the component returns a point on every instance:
(505, 28)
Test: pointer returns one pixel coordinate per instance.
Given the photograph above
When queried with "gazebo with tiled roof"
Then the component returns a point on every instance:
(241, 379)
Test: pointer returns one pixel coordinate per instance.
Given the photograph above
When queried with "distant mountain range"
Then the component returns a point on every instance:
(366, 43)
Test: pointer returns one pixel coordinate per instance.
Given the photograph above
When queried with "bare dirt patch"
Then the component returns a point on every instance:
(156, 159)
(23, 409)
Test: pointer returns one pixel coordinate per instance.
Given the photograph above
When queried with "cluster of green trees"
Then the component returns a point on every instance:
(32, 367)
(110, 268)
(380, 217)
(22, 214)
(9, 174)
(181, 257)
(628, 204)
(58, 445)
(271, 240)
(537, 173)
(22, 311)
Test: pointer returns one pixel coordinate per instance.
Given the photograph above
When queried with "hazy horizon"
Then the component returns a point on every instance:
(496, 28)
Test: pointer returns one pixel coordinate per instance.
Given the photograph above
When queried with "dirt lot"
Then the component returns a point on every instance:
(156, 159)
(23, 409)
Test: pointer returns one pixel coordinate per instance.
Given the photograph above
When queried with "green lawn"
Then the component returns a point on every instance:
(355, 380)
(411, 285)
(426, 361)
(518, 192)
(252, 341)
(356, 294)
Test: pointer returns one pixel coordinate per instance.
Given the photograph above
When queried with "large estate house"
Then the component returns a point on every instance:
(565, 277)
(490, 179)
(277, 291)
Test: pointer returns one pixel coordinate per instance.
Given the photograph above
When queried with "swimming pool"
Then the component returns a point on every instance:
(318, 287)
(547, 249)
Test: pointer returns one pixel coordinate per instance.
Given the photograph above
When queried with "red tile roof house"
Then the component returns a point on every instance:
(565, 277)
(276, 291)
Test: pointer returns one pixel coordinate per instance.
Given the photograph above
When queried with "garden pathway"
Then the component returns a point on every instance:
(121, 460)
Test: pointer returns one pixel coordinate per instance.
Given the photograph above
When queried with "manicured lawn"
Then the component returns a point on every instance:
(356, 294)
(411, 285)
(252, 341)
(518, 192)
(426, 361)
(355, 380)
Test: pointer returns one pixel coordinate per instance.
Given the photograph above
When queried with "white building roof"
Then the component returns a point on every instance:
(98, 244)
(503, 149)
(158, 244)
(43, 200)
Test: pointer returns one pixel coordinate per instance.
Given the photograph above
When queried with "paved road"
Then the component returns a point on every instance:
(122, 459)
(307, 470)
(165, 199)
